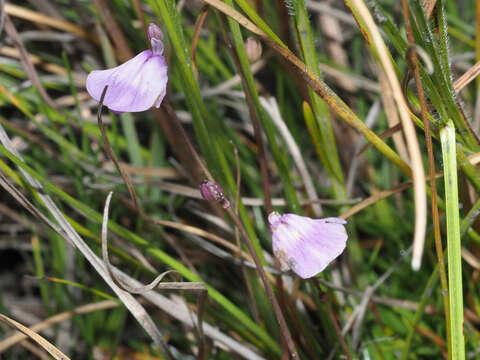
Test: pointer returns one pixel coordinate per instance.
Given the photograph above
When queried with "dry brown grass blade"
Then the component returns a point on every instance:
(374, 198)
(30, 15)
(467, 77)
(57, 354)
(418, 175)
(137, 4)
(51, 321)
(35, 60)
(470, 259)
(121, 44)
(251, 298)
(22, 200)
(196, 34)
(429, 5)
(473, 159)
(392, 117)
(385, 135)
(27, 64)
(437, 340)
(163, 173)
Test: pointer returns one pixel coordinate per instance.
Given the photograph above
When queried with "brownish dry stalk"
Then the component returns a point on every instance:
(26, 61)
(196, 34)
(251, 298)
(122, 48)
(141, 16)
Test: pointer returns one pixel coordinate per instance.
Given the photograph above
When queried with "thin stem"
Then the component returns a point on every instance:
(196, 34)
(251, 297)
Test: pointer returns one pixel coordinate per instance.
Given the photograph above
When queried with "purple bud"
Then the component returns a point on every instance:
(306, 245)
(211, 191)
(155, 36)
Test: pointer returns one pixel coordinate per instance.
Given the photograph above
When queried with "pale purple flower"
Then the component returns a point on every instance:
(306, 245)
(137, 84)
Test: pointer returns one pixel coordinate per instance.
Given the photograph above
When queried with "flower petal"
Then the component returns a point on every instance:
(136, 85)
(306, 245)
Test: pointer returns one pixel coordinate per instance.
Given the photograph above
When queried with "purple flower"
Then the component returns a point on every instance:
(306, 245)
(137, 84)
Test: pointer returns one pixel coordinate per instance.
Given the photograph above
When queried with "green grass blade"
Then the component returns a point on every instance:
(319, 107)
(252, 14)
(454, 255)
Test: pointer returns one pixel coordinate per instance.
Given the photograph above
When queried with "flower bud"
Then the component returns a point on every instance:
(155, 36)
(211, 191)
(253, 48)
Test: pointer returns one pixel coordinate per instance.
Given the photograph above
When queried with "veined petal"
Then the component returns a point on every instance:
(136, 85)
(306, 245)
